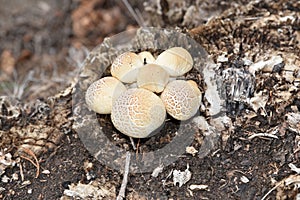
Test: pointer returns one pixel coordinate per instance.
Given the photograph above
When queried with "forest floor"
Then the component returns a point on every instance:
(42, 47)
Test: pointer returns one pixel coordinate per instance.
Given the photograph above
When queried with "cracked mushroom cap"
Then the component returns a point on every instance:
(138, 113)
(182, 99)
(152, 77)
(125, 67)
(100, 94)
(146, 57)
(176, 61)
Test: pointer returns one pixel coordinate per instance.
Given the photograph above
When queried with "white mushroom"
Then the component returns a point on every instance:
(100, 94)
(147, 57)
(176, 61)
(125, 67)
(152, 77)
(182, 99)
(138, 112)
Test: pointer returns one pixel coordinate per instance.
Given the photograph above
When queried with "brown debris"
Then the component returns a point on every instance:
(7, 63)
(90, 19)
(35, 162)
(30, 128)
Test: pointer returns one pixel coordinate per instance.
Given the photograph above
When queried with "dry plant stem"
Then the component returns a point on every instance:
(137, 149)
(121, 194)
(137, 18)
(276, 186)
(170, 174)
(36, 163)
(140, 16)
(262, 135)
(21, 172)
(132, 143)
(292, 179)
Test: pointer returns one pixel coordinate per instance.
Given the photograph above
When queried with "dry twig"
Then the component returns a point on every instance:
(136, 15)
(262, 135)
(132, 143)
(121, 194)
(36, 163)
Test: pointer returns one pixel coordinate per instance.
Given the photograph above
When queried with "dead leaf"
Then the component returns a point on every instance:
(7, 62)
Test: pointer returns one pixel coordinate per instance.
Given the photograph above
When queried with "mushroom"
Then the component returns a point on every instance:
(138, 113)
(181, 99)
(147, 57)
(125, 67)
(152, 77)
(176, 61)
(100, 94)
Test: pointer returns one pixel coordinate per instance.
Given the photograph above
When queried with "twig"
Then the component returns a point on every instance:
(121, 194)
(133, 13)
(137, 149)
(36, 163)
(21, 172)
(276, 186)
(164, 181)
(132, 143)
(292, 179)
(262, 135)
(294, 168)
(140, 16)
(28, 159)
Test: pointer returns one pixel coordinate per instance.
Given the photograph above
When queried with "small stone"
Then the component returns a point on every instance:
(5, 179)
(198, 187)
(244, 179)
(45, 171)
(191, 150)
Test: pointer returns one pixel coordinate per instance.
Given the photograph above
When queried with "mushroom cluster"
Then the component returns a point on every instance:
(143, 89)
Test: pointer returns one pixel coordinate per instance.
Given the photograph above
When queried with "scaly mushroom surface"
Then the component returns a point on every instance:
(138, 112)
(181, 99)
(100, 94)
(125, 67)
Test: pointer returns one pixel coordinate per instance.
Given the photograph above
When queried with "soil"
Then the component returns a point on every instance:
(42, 46)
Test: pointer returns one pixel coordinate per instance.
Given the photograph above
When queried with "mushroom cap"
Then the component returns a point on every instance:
(182, 99)
(194, 85)
(138, 112)
(125, 67)
(176, 61)
(152, 77)
(101, 94)
(146, 57)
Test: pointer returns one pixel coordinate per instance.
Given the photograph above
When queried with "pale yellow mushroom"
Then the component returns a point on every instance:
(194, 85)
(181, 99)
(125, 67)
(152, 77)
(138, 113)
(176, 61)
(101, 94)
(147, 57)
